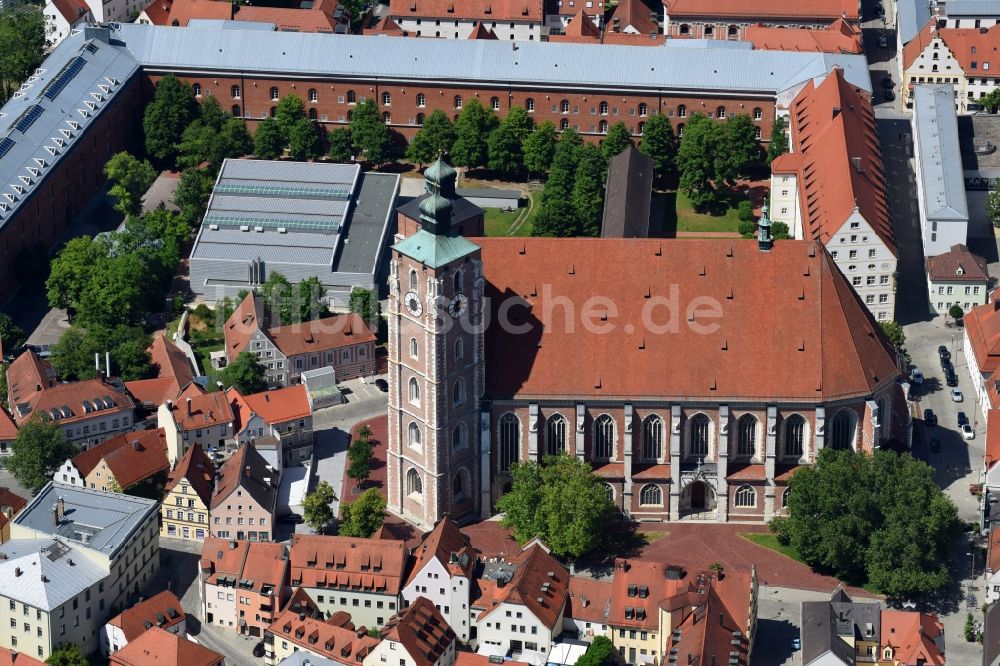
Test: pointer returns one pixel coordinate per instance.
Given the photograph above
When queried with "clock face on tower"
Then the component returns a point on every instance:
(457, 305)
(413, 304)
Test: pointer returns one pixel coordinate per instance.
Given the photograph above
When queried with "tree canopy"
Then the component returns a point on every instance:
(658, 141)
(370, 134)
(779, 140)
(245, 373)
(131, 178)
(73, 355)
(557, 216)
(342, 147)
(741, 151)
(588, 189)
(358, 455)
(434, 138)
(304, 141)
(192, 193)
(539, 148)
(504, 146)
(23, 32)
(167, 116)
(364, 302)
(560, 500)
(698, 160)
(316, 506)
(288, 112)
(617, 140)
(877, 518)
(598, 652)
(268, 143)
(362, 517)
(12, 336)
(67, 655)
(37, 452)
(472, 131)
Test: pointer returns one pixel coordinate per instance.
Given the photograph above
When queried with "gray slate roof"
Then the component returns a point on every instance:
(368, 227)
(936, 126)
(54, 108)
(461, 208)
(972, 8)
(462, 61)
(628, 195)
(106, 520)
(911, 17)
(39, 572)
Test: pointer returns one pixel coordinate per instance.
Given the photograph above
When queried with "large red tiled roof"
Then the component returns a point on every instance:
(247, 318)
(336, 561)
(72, 10)
(131, 456)
(812, 10)
(911, 636)
(958, 264)
(589, 600)
(277, 406)
(915, 46)
(174, 372)
(447, 545)
(638, 588)
(247, 470)
(321, 334)
(14, 658)
(635, 14)
(982, 326)
(162, 610)
(528, 587)
(196, 409)
(264, 563)
(335, 638)
(157, 647)
(720, 608)
(27, 376)
(839, 166)
(8, 429)
(821, 329)
(197, 469)
(422, 631)
(11, 501)
(165, 12)
(969, 45)
(480, 10)
(840, 37)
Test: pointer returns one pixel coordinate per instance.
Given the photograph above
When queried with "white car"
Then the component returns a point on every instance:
(956, 395)
(968, 432)
(917, 376)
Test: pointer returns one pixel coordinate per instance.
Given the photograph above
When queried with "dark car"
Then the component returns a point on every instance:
(291, 518)
(962, 419)
(929, 417)
(382, 385)
(258, 650)
(950, 378)
(944, 353)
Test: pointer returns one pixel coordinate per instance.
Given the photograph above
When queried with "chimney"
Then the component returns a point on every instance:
(97, 361)
(189, 406)
(135, 444)
(107, 364)
(60, 508)
(232, 545)
(302, 617)
(17, 571)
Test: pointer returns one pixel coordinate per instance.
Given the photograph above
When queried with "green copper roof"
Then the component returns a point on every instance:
(435, 251)
(439, 172)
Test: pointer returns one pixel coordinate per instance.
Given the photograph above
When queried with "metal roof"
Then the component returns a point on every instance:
(293, 247)
(368, 227)
(433, 250)
(94, 519)
(936, 128)
(45, 573)
(53, 108)
(911, 17)
(972, 8)
(222, 24)
(461, 61)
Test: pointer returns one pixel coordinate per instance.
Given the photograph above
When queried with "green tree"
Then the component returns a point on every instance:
(472, 131)
(370, 134)
(993, 201)
(73, 354)
(131, 178)
(115, 294)
(504, 145)
(877, 518)
(232, 140)
(12, 336)
(289, 111)
(617, 139)
(561, 501)
(598, 652)
(658, 141)
(697, 160)
(342, 145)
(991, 101)
(67, 655)
(23, 32)
(956, 312)
(895, 333)
(779, 231)
(211, 114)
(71, 271)
(779, 140)
(268, 142)
(196, 145)
(364, 302)
(588, 190)
(167, 116)
(304, 140)
(557, 216)
(316, 509)
(362, 517)
(191, 195)
(37, 452)
(539, 148)
(358, 456)
(434, 138)
(741, 151)
(279, 297)
(245, 373)
(310, 300)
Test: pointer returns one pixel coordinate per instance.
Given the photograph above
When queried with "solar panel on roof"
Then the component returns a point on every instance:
(27, 118)
(63, 78)
(6, 144)
(278, 191)
(249, 221)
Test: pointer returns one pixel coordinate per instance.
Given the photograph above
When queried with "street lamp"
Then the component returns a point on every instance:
(972, 577)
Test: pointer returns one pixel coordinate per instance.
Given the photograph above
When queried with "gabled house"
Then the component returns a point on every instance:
(173, 374)
(721, 19)
(246, 490)
(957, 277)
(517, 20)
(162, 610)
(963, 58)
(335, 638)
(588, 609)
(164, 648)
(8, 433)
(719, 620)
(911, 639)
(982, 352)
(417, 636)
(281, 415)
(184, 513)
(243, 584)
(196, 417)
(62, 16)
(121, 463)
(443, 573)
(840, 631)
(634, 618)
(841, 36)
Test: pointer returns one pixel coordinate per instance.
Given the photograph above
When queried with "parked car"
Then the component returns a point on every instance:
(929, 418)
(968, 432)
(956, 395)
(883, 41)
(382, 385)
(944, 353)
(917, 376)
(950, 378)
(258, 649)
(962, 419)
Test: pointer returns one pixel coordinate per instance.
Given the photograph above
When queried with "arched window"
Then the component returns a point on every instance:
(842, 431)
(273, 111)
(757, 113)
(458, 392)
(313, 95)
(641, 128)
(413, 483)
(351, 97)
(414, 391)
(685, 29)
(609, 491)
(495, 103)
(421, 100)
(456, 281)
(197, 89)
(603, 108)
(699, 435)
(509, 440)
(604, 437)
(650, 495)
(720, 113)
(420, 119)
(682, 111)
(603, 127)
(459, 437)
(274, 94)
(643, 109)
(746, 496)
(795, 433)
(529, 105)
(312, 113)
(784, 498)
(757, 133)
(175, 23)
(413, 435)
(564, 106)
(386, 118)
(458, 101)
(237, 111)
(680, 131)
(234, 92)
(733, 32)
(414, 350)
(564, 124)
(652, 438)
(747, 436)
(709, 30)
(413, 279)
(460, 485)
(386, 99)
(555, 435)
(459, 349)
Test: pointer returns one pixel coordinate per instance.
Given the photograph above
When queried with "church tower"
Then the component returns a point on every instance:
(436, 373)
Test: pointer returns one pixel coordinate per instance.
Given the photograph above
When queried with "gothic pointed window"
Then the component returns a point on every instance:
(651, 495)
(555, 435)
(698, 428)
(413, 435)
(795, 430)
(604, 437)
(842, 431)
(509, 441)
(652, 438)
(746, 496)
(747, 436)
(459, 437)
(458, 392)
(414, 487)
(414, 391)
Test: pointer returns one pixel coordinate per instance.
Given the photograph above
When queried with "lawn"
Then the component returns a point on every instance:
(498, 222)
(771, 541)
(680, 215)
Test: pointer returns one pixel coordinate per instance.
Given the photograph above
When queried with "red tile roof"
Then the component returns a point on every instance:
(478, 10)
(263, 562)
(982, 327)
(720, 609)
(277, 406)
(422, 631)
(165, 12)
(131, 456)
(8, 429)
(335, 638)
(15, 658)
(534, 565)
(157, 647)
(968, 45)
(372, 565)
(638, 588)
(782, 473)
(634, 14)
(27, 375)
(915, 46)
(197, 469)
(958, 264)
(839, 37)
(163, 610)
(480, 32)
(11, 501)
(247, 470)
(911, 636)
(447, 545)
(463, 658)
(757, 10)
(174, 373)
(248, 317)
(386, 26)
(822, 328)
(196, 409)
(72, 10)
(747, 473)
(589, 600)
